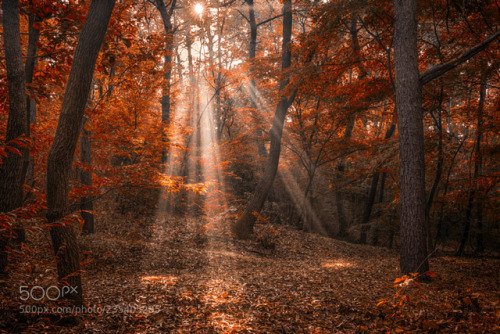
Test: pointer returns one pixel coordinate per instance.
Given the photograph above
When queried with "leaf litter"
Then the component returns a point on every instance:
(188, 275)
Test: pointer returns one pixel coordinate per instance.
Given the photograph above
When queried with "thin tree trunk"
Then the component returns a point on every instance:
(477, 170)
(374, 185)
(343, 224)
(439, 171)
(341, 216)
(307, 206)
(411, 139)
(166, 16)
(87, 202)
(478, 167)
(14, 166)
(218, 100)
(371, 198)
(252, 47)
(62, 152)
(31, 60)
(439, 232)
(479, 237)
(244, 227)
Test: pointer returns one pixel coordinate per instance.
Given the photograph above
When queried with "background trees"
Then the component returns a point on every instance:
(192, 103)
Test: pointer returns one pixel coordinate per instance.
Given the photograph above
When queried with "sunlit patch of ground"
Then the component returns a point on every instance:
(336, 264)
(167, 280)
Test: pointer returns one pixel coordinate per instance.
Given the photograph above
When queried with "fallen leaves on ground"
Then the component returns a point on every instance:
(180, 275)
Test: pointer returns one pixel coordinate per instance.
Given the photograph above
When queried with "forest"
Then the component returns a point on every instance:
(249, 166)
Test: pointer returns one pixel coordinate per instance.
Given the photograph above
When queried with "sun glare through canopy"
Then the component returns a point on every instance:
(198, 8)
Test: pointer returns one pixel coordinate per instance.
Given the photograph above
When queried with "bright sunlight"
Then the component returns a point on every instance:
(198, 8)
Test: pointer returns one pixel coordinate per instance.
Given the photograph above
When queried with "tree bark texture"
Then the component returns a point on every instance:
(31, 60)
(14, 166)
(252, 48)
(439, 170)
(166, 16)
(477, 170)
(374, 185)
(411, 139)
(87, 202)
(62, 152)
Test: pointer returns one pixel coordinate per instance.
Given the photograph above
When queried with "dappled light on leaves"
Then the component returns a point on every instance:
(166, 280)
(337, 265)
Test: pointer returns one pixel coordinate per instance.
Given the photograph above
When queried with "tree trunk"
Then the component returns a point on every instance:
(478, 165)
(371, 198)
(218, 86)
(63, 148)
(307, 211)
(252, 48)
(343, 224)
(244, 227)
(411, 139)
(166, 16)
(14, 166)
(87, 202)
(31, 59)
(439, 171)
(439, 228)
(477, 171)
(374, 185)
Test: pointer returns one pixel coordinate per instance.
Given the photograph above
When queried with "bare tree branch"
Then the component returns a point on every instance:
(437, 71)
(269, 20)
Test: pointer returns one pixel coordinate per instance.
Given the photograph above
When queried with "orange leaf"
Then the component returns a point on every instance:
(382, 302)
(400, 279)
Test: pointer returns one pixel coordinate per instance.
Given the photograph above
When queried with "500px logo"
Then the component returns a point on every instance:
(38, 293)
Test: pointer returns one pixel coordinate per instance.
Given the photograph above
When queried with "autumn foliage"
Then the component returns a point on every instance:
(178, 124)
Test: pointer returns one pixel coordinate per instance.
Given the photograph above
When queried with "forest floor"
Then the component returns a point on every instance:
(188, 275)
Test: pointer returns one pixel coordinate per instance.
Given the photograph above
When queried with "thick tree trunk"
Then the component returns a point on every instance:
(14, 166)
(63, 148)
(411, 138)
(244, 227)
